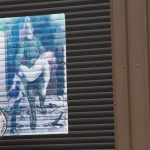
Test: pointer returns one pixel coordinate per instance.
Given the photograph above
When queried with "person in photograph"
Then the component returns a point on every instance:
(28, 55)
(46, 64)
(34, 67)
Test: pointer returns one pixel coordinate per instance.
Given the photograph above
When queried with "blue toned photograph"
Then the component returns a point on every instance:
(33, 91)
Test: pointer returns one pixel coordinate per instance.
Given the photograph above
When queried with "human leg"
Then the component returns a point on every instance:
(41, 92)
(13, 111)
(31, 99)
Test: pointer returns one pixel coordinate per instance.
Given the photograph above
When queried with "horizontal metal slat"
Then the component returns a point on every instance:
(100, 17)
(90, 76)
(93, 120)
(87, 89)
(96, 82)
(69, 34)
(86, 127)
(90, 95)
(100, 79)
(64, 146)
(90, 89)
(83, 83)
(83, 133)
(88, 39)
(99, 12)
(46, 9)
(86, 56)
(74, 128)
(61, 70)
(102, 139)
(87, 20)
(47, 3)
(88, 45)
(78, 95)
(81, 37)
(92, 32)
(73, 115)
(85, 26)
(103, 79)
(82, 121)
(88, 64)
(11, 2)
(78, 52)
(77, 90)
(88, 108)
(89, 70)
(89, 57)
(81, 102)
(91, 114)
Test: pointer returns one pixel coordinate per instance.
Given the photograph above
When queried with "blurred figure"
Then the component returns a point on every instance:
(30, 50)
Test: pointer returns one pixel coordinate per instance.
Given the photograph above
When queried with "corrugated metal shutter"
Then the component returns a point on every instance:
(89, 69)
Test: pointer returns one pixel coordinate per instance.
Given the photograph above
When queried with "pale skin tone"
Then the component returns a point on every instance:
(49, 55)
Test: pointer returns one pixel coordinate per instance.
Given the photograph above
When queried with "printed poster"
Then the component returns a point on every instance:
(33, 91)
